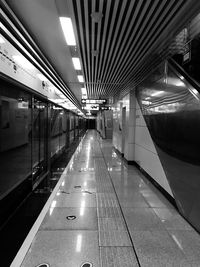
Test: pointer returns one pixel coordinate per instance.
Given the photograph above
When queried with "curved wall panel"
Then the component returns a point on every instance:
(171, 109)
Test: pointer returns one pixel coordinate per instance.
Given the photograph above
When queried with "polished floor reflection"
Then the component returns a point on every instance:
(108, 214)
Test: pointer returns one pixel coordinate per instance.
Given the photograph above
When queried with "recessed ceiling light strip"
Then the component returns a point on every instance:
(19, 37)
(76, 63)
(80, 20)
(68, 31)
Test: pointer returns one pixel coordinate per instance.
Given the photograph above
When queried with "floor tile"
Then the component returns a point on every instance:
(157, 249)
(63, 248)
(157, 201)
(75, 200)
(79, 186)
(126, 190)
(85, 176)
(86, 219)
(171, 220)
(142, 219)
(132, 200)
(189, 243)
(118, 257)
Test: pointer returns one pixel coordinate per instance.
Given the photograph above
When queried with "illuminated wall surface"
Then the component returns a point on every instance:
(171, 109)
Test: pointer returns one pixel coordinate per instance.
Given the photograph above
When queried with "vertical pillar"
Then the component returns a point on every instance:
(130, 141)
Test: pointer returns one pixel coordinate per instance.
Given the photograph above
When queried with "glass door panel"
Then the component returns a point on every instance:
(40, 139)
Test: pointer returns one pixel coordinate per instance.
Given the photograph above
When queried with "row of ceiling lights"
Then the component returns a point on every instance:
(70, 39)
(67, 27)
(24, 63)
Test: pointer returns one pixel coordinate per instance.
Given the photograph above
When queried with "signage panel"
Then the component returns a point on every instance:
(93, 101)
(91, 107)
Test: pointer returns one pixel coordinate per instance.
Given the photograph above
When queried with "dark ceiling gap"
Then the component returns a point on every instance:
(95, 35)
(97, 6)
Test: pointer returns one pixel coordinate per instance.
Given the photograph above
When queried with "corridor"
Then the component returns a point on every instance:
(105, 213)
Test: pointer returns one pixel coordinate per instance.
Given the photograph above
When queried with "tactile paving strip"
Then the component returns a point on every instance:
(100, 163)
(104, 188)
(117, 257)
(106, 200)
(111, 224)
(102, 177)
(109, 212)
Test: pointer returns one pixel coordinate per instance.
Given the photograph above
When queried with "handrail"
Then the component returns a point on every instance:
(178, 68)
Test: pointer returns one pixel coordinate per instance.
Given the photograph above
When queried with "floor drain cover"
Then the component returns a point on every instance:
(87, 192)
(43, 265)
(77, 186)
(87, 264)
(71, 217)
(64, 192)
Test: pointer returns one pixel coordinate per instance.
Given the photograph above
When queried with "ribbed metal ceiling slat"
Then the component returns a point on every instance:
(120, 42)
(123, 40)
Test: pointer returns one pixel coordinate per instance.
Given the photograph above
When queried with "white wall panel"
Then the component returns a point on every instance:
(143, 138)
(150, 162)
(131, 135)
(139, 120)
(145, 152)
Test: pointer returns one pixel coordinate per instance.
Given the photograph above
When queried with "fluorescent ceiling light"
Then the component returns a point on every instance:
(157, 93)
(80, 78)
(42, 77)
(66, 24)
(83, 90)
(77, 63)
(23, 62)
(2, 41)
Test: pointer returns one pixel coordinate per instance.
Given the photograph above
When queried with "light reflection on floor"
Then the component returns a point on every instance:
(125, 214)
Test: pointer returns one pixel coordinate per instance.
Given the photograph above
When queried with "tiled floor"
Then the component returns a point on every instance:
(117, 218)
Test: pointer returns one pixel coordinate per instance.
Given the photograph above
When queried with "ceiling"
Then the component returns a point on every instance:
(119, 42)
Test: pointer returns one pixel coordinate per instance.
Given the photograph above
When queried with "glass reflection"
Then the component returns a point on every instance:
(177, 242)
(15, 137)
(52, 207)
(79, 243)
(39, 135)
(82, 209)
(58, 129)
